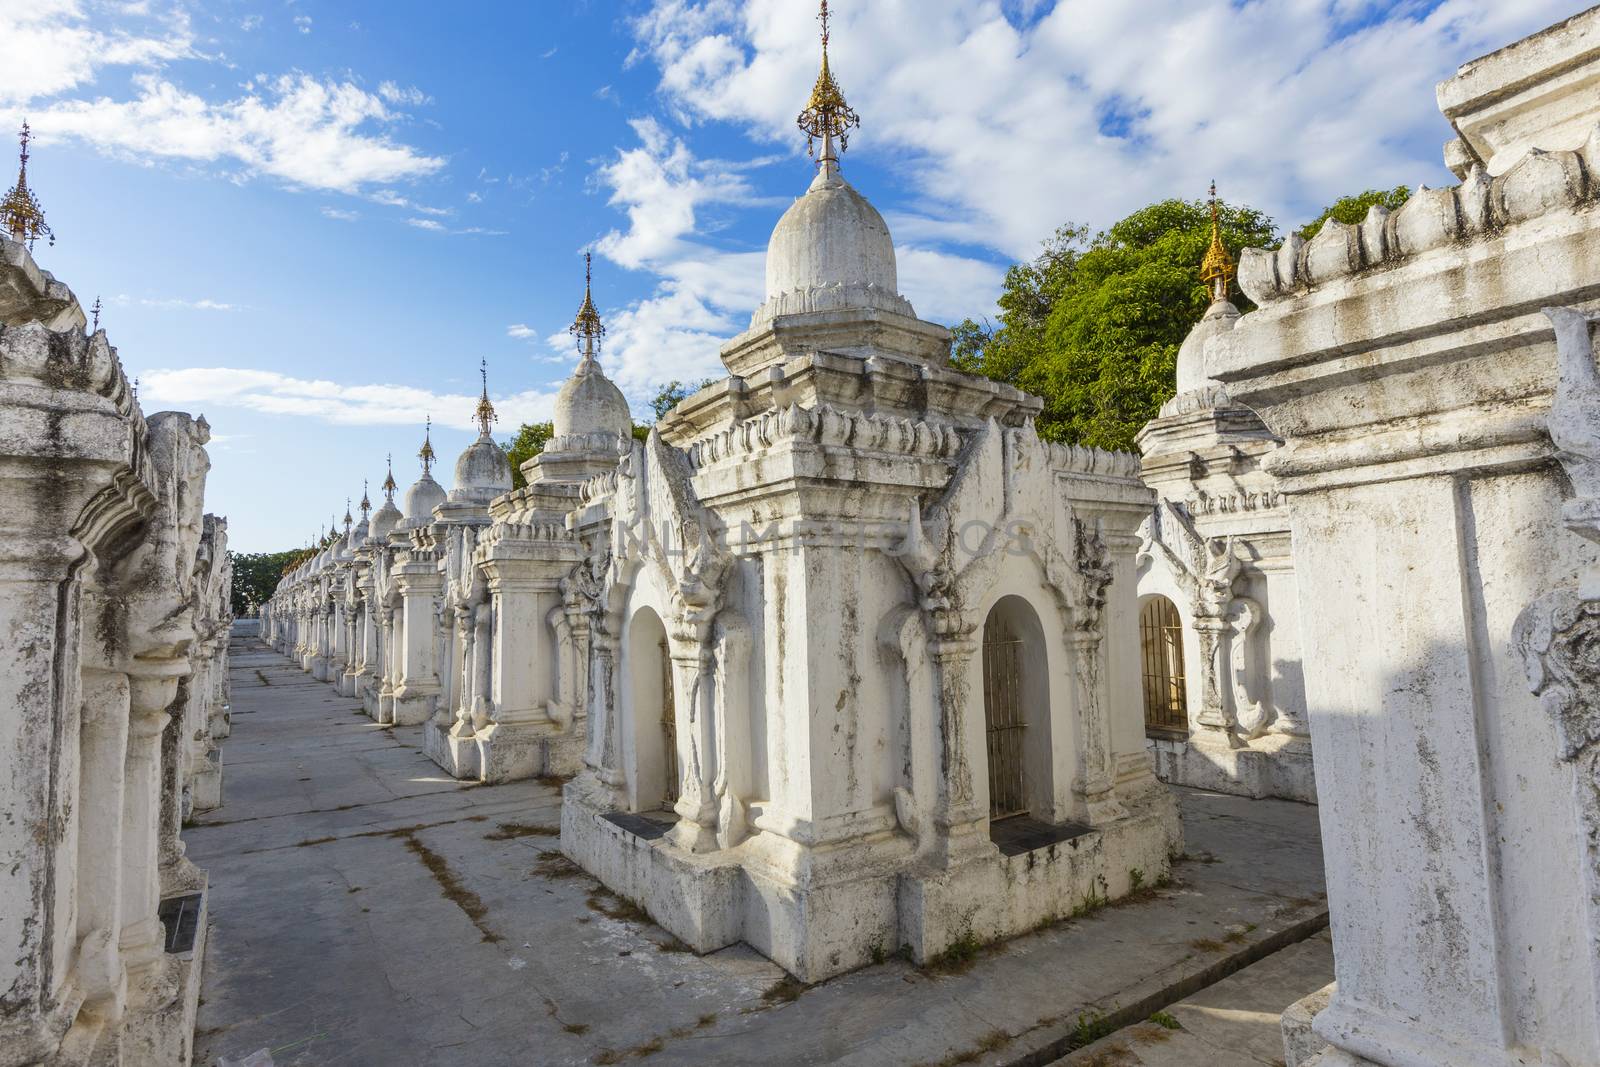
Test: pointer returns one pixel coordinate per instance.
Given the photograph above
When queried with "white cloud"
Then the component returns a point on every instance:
(334, 402)
(945, 287)
(174, 303)
(390, 198)
(1003, 120)
(52, 46)
(302, 23)
(305, 132)
(408, 95)
(1088, 111)
(704, 293)
(521, 331)
(340, 215)
(248, 24)
(434, 226)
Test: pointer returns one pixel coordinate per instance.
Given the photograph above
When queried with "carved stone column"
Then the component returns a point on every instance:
(465, 639)
(693, 667)
(481, 707)
(101, 783)
(604, 752)
(957, 811)
(142, 936)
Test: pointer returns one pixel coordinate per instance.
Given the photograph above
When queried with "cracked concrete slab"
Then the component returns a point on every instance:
(368, 910)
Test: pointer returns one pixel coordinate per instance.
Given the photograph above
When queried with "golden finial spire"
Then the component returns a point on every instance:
(1217, 269)
(347, 519)
(366, 505)
(426, 455)
(485, 413)
(587, 327)
(96, 310)
(388, 486)
(21, 217)
(827, 116)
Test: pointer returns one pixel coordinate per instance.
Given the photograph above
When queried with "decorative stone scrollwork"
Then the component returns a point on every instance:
(1094, 574)
(1559, 638)
(829, 427)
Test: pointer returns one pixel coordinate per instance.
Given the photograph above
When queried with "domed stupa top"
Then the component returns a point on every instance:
(426, 494)
(482, 471)
(831, 250)
(387, 517)
(1217, 272)
(589, 404)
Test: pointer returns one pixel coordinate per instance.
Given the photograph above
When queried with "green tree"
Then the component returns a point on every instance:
(256, 576)
(1093, 325)
(672, 394)
(1353, 209)
(529, 442)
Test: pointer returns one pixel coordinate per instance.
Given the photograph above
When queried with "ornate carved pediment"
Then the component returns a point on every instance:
(1002, 500)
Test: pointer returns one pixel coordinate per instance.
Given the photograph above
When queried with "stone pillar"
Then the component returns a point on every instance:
(103, 761)
(1436, 428)
(417, 687)
(958, 814)
(604, 753)
(371, 665)
(383, 705)
(692, 678)
(142, 936)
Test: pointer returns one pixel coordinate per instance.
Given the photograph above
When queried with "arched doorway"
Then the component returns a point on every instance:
(1166, 697)
(654, 715)
(1015, 694)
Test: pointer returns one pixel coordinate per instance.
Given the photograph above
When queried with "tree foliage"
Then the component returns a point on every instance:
(673, 393)
(256, 576)
(1353, 209)
(1094, 323)
(529, 442)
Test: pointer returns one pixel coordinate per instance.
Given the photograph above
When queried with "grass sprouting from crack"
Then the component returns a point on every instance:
(784, 991)
(510, 831)
(450, 884)
(554, 865)
(613, 906)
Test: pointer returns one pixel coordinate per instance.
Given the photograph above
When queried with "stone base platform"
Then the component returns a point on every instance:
(1276, 766)
(163, 1034)
(861, 903)
(504, 752)
(1301, 1045)
(205, 787)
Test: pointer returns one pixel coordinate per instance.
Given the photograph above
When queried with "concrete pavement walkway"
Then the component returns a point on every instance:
(1234, 1023)
(369, 910)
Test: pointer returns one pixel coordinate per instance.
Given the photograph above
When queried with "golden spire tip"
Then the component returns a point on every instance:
(21, 216)
(1217, 269)
(827, 117)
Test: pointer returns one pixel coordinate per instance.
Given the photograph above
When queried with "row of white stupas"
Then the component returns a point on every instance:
(825, 659)
(845, 659)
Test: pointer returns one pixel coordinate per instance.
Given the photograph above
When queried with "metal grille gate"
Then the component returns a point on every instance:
(669, 730)
(1161, 651)
(1004, 718)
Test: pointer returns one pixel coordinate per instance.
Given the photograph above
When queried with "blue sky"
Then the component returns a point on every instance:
(310, 220)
